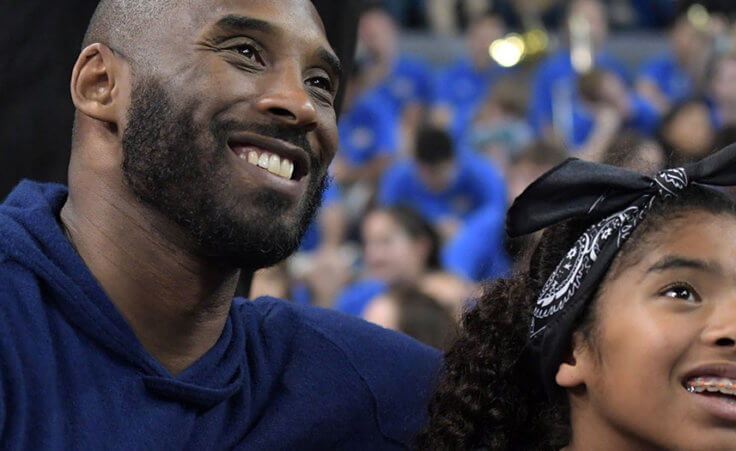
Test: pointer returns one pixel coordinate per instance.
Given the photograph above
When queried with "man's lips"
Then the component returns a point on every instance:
(245, 143)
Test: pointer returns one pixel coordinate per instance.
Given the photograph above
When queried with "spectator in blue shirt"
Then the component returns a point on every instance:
(323, 264)
(722, 98)
(442, 185)
(607, 107)
(479, 251)
(403, 80)
(368, 132)
(399, 247)
(500, 129)
(555, 109)
(461, 88)
(671, 78)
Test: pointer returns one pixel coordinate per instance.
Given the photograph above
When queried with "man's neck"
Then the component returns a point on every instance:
(176, 302)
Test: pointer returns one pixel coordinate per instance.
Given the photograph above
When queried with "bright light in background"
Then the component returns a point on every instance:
(537, 41)
(508, 51)
(698, 16)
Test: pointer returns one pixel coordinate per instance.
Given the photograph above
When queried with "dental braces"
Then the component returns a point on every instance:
(701, 385)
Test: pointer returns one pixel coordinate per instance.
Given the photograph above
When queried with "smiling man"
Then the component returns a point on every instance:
(201, 144)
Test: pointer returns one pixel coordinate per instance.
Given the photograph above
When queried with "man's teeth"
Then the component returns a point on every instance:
(712, 384)
(281, 167)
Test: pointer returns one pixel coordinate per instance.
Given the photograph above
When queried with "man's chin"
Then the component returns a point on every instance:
(254, 247)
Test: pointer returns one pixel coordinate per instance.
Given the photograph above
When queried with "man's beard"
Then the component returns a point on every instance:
(183, 171)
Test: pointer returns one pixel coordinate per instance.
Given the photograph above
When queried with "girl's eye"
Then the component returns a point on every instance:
(682, 291)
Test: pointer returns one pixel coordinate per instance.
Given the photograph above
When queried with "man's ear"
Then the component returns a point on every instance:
(572, 372)
(97, 85)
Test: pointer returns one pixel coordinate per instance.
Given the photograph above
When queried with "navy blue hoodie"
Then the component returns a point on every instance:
(74, 376)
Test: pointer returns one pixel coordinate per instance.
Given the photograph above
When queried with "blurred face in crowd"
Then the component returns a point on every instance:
(391, 254)
(663, 323)
(377, 34)
(232, 126)
(690, 132)
(383, 311)
(687, 43)
(724, 81)
(480, 36)
(437, 177)
(593, 12)
(648, 158)
(521, 174)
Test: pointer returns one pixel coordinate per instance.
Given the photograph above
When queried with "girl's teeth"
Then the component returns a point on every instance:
(252, 157)
(712, 385)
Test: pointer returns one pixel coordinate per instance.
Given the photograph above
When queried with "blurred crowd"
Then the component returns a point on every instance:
(431, 157)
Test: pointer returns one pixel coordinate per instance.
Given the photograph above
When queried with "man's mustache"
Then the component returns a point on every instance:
(293, 136)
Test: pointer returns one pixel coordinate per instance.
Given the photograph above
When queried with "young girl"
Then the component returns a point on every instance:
(620, 334)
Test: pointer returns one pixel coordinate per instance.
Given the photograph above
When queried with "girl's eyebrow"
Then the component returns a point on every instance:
(679, 262)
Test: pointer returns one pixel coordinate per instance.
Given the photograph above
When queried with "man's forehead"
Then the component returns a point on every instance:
(279, 12)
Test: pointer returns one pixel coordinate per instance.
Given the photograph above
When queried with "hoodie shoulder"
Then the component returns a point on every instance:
(399, 372)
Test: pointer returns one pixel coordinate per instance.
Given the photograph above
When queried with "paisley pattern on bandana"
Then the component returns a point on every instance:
(670, 181)
(565, 280)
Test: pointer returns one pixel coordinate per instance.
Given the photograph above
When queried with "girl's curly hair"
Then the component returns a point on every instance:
(488, 398)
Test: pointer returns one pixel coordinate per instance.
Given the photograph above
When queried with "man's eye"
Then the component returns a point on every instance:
(249, 52)
(681, 291)
(320, 83)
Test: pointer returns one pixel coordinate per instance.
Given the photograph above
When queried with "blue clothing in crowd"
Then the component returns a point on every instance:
(355, 298)
(409, 83)
(368, 129)
(669, 77)
(462, 89)
(644, 119)
(74, 376)
(477, 251)
(476, 184)
(555, 100)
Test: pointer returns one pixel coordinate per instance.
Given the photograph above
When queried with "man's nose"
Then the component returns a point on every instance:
(285, 100)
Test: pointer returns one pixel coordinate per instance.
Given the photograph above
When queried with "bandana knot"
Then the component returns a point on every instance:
(671, 181)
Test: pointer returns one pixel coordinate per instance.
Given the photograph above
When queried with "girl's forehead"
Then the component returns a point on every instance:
(696, 235)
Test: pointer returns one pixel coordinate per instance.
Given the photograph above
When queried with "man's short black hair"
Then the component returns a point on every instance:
(122, 24)
(433, 146)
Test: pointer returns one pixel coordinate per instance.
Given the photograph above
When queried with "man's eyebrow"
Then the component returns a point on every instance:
(679, 262)
(332, 61)
(236, 23)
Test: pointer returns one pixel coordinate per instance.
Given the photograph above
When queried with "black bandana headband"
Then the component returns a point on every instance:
(615, 200)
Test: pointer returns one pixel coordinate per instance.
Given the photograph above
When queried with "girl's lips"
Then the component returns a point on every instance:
(723, 370)
(711, 387)
(718, 405)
